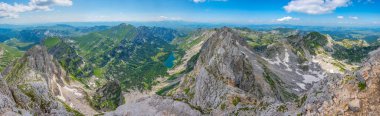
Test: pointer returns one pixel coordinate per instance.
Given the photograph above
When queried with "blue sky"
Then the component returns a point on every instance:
(297, 12)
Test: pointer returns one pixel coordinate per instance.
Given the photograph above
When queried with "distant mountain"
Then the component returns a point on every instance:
(6, 34)
(36, 34)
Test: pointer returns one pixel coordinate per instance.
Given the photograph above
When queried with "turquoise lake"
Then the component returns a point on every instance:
(169, 62)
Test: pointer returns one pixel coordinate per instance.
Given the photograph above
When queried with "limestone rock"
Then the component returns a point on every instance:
(354, 105)
(33, 81)
(155, 105)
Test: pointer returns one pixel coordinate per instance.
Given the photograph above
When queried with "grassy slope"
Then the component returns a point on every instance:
(9, 55)
(112, 54)
(19, 44)
(50, 42)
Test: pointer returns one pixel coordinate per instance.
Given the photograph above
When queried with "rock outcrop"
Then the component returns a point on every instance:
(108, 97)
(8, 105)
(283, 77)
(230, 77)
(33, 81)
(353, 94)
(143, 104)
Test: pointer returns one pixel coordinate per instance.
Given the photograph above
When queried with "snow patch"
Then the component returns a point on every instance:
(278, 61)
(310, 79)
(286, 61)
(301, 85)
(60, 96)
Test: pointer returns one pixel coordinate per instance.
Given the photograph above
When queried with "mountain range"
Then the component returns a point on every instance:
(144, 70)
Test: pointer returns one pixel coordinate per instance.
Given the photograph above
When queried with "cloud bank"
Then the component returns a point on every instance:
(13, 11)
(287, 18)
(315, 6)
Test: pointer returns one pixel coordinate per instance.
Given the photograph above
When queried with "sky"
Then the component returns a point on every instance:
(295, 12)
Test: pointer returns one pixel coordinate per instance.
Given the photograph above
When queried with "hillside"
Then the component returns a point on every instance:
(8, 54)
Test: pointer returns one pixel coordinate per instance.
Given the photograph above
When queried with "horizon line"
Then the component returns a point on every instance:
(190, 22)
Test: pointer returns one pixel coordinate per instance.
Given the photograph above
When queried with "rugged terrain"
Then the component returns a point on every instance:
(350, 94)
(122, 70)
(31, 83)
(253, 73)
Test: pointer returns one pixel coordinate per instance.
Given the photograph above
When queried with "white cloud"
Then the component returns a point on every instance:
(165, 18)
(354, 18)
(52, 2)
(13, 11)
(287, 18)
(315, 6)
(340, 17)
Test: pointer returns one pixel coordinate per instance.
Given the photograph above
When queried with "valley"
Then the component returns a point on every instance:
(125, 69)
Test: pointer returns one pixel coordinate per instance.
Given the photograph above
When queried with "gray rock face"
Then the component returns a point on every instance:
(155, 106)
(33, 81)
(353, 94)
(7, 103)
(230, 76)
(214, 77)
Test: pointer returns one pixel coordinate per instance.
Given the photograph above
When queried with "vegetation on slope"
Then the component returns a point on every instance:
(108, 97)
(19, 44)
(8, 55)
(50, 42)
(313, 41)
(354, 51)
(133, 55)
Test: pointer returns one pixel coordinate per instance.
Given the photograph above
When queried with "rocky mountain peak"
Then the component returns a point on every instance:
(229, 74)
(34, 79)
(39, 61)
